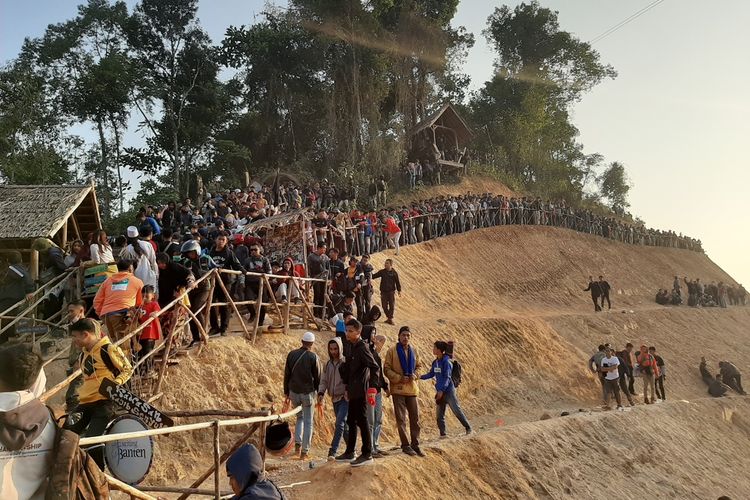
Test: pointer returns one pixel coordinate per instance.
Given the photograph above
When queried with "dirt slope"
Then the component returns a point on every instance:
(511, 299)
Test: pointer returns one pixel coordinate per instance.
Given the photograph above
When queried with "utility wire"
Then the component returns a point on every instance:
(625, 21)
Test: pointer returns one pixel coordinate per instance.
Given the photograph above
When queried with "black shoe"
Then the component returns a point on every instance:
(345, 457)
(409, 451)
(418, 451)
(362, 460)
(382, 453)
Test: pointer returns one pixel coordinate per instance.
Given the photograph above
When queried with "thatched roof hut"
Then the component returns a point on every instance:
(442, 138)
(60, 213)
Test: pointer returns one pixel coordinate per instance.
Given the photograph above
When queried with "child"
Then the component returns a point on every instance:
(152, 332)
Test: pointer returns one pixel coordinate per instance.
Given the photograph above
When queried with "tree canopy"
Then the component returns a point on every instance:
(322, 88)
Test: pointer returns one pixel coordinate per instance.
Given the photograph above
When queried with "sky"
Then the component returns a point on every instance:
(675, 115)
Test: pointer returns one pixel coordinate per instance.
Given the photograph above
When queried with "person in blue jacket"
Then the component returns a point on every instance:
(441, 370)
(246, 476)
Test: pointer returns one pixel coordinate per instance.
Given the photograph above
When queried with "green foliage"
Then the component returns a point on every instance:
(614, 186)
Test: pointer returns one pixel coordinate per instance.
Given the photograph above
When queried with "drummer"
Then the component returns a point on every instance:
(99, 360)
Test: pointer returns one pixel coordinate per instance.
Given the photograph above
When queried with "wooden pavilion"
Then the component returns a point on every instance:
(442, 139)
(60, 213)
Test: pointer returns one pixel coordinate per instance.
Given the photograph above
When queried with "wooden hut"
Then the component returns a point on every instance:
(442, 139)
(61, 213)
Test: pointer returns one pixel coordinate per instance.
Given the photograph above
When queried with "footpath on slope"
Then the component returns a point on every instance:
(511, 297)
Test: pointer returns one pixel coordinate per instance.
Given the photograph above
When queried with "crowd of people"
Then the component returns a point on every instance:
(701, 295)
(358, 375)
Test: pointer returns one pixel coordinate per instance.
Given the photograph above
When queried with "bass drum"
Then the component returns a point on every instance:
(129, 460)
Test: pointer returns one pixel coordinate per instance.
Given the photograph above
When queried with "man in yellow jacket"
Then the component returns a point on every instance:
(99, 360)
(401, 366)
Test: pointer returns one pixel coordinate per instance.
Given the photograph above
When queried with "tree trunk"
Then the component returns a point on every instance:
(120, 190)
(107, 198)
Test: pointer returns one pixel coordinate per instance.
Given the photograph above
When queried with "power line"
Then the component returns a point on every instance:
(625, 21)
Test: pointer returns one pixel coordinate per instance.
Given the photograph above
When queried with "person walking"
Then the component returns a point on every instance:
(622, 370)
(375, 412)
(649, 371)
(389, 285)
(401, 366)
(604, 289)
(442, 371)
(661, 375)
(332, 383)
(301, 380)
(99, 360)
(595, 290)
(360, 373)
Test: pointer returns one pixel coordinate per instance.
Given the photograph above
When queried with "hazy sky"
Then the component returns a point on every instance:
(675, 115)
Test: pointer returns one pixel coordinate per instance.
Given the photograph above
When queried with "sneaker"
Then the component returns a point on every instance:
(418, 451)
(409, 451)
(345, 457)
(469, 431)
(304, 455)
(297, 448)
(443, 436)
(377, 454)
(331, 458)
(632, 403)
(362, 460)
(382, 453)
(214, 332)
(223, 333)
(619, 408)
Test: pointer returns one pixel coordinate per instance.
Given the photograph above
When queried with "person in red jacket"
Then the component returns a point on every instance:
(649, 372)
(152, 332)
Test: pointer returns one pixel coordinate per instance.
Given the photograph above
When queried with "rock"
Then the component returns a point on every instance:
(263, 379)
(269, 397)
(545, 416)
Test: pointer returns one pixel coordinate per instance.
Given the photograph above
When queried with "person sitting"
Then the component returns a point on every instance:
(246, 477)
(661, 297)
(715, 387)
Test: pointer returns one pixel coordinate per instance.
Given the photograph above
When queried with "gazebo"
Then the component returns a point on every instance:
(60, 213)
(442, 139)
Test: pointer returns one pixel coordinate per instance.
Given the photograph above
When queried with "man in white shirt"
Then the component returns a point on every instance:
(609, 365)
(27, 432)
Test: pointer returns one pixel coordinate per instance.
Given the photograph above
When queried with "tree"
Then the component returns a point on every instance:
(522, 114)
(614, 185)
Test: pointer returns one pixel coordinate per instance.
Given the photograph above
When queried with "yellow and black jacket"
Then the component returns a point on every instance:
(104, 360)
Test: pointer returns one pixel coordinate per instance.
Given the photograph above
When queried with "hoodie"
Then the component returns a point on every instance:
(442, 370)
(246, 467)
(331, 380)
(27, 435)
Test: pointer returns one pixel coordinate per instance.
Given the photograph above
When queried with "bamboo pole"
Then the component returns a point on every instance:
(21, 316)
(207, 318)
(118, 485)
(216, 412)
(192, 315)
(49, 284)
(167, 349)
(233, 304)
(217, 461)
(89, 441)
(285, 319)
(258, 305)
(236, 446)
(188, 491)
(34, 266)
(307, 308)
(273, 296)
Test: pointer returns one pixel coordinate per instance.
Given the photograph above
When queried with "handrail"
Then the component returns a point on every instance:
(187, 427)
(268, 275)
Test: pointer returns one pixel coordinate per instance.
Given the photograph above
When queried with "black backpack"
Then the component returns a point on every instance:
(456, 373)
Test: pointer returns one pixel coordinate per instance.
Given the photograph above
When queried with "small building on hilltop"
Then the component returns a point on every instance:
(441, 140)
(59, 213)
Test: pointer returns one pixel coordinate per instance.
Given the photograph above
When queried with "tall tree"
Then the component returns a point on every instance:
(615, 186)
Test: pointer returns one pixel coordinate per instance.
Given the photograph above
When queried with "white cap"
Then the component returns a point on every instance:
(308, 337)
(132, 232)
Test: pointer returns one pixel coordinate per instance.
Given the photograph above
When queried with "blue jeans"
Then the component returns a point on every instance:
(375, 420)
(340, 409)
(303, 431)
(450, 399)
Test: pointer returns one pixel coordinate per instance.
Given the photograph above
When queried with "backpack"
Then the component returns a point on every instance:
(456, 373)
(73, 474)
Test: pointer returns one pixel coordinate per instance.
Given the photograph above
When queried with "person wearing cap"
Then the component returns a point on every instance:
(247, 477)
(143, 256)
(401, 366)
(301, 382)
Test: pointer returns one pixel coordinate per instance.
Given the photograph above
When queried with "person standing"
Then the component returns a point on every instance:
(629, 358)
(360, 374)
(622, 369)
(610, 367)
(604, 289)
(115, 298)
(661, 374)
(301, 381)
(366, 289)
(101, 250)
(199, 265)
(76, 311)
(254, 290)
(99, 360)
(441, 371)
(649, 372)
(595, 293)
(389, 285)
(142, 254)
(318, 267)
(332, 383)
(401, 365)
(375, 412)
(224, 258)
